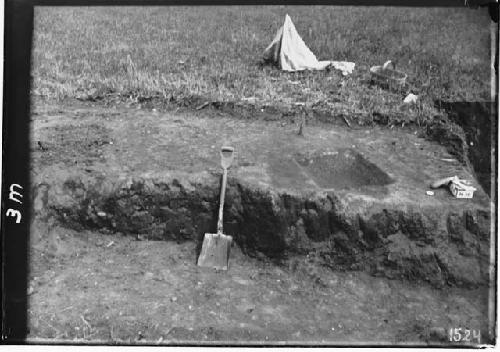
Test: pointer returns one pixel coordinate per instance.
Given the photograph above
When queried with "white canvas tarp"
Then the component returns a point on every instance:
(290, 53)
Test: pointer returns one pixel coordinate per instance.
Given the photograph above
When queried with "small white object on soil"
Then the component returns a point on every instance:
(430, 193)
(410, 99)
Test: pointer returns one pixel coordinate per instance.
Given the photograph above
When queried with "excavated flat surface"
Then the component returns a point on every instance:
(108, 288)
(97, 286)
(393, 167)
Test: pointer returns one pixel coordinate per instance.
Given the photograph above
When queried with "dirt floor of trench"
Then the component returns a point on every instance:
(109, 288)
(101, 285)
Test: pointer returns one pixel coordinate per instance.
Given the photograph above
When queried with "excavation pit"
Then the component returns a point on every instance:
(287, 194)
(343, 169)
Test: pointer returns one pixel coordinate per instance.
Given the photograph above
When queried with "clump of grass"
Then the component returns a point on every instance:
(147, 51)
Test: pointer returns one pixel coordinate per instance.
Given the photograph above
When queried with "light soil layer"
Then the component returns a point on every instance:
(89, 287)
(326, 218)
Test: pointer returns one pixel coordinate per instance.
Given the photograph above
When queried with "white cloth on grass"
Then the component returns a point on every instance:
(290, 53)
(410, 99)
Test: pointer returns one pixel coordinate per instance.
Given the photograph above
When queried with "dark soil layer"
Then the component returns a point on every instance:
(426, 244)
(343, 169)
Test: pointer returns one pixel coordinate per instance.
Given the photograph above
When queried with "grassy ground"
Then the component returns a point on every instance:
(172, 53)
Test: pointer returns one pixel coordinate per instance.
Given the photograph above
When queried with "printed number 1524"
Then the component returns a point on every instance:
(464, 335)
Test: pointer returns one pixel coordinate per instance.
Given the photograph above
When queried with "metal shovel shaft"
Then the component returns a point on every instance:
(226, 155)
(221, 202)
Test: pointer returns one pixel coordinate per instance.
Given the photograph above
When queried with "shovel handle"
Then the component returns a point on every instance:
(221, 203)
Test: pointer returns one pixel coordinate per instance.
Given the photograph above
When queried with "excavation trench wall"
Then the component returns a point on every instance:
(478, 121)
(405, 242)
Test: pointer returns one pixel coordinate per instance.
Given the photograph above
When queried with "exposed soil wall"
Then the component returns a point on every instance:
(479, 136)
(415, 243)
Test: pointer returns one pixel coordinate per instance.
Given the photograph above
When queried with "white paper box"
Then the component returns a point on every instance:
(460, 190)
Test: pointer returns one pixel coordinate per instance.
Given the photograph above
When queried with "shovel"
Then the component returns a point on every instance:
(216, 246)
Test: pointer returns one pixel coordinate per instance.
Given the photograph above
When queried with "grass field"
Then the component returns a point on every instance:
(214, 52)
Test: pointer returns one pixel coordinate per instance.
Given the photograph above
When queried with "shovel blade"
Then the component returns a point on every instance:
(215, 251)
